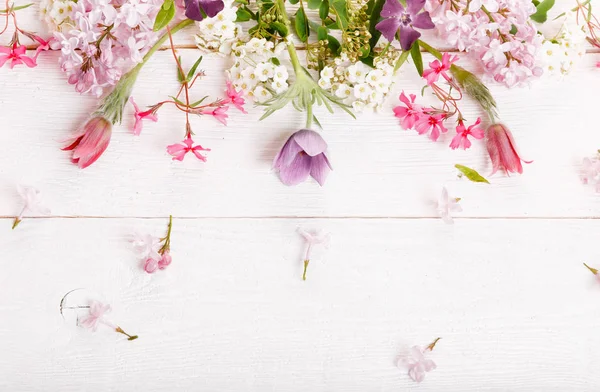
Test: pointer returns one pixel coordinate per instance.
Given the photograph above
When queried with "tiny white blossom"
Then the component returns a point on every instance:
(263, 71)
(327, 73)
(343, 91)
(280, 74)
(362, 91)
(261, 94)
(279, 86)
(324, 83)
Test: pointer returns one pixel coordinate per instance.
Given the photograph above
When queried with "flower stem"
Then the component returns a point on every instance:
(288, 43)
(592, 270)
(16, 223)
(432, 345)
(305, 268)
(129, 337)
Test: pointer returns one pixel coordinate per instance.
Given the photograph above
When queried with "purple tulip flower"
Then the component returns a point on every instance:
(199, 9)
(302, 155)
(405, 20)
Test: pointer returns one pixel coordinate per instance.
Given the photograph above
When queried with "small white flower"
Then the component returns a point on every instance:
(324, 83)
(59, 12)
(358, 106)
(263, 71)
(280, 74)
(327, 73)
(249, 76)
(362, 91)
(256, 45)
(261, 94)
(279, 86)
(356, 73)
(343, 91)
(374, 77)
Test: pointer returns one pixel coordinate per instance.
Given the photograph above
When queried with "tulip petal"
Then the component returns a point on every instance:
(319, 169)
(287, 154)
(297, 171)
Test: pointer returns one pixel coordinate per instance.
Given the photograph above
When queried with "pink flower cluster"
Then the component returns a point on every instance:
(497, 33)
(431, 120)
(590, 172)
(110, 38)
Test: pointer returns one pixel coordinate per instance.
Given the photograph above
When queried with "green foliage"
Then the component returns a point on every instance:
(542, 8)
(415, 53)
(471, 174)
(301, 25)
(165, 15)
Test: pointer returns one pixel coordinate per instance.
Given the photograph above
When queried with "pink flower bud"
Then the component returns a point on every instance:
(150, 266)
(502, 149)
(90, 141)
(164, 261)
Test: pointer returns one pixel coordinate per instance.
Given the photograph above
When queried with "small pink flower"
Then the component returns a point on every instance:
(502, 149)
(150, 265)
(236, 98)
(139, 116)
(437, 68)
(165, 260)
(447, 205)
(435, 123)
(16, 55)
(416, 363)
(90, 142)
(179, 150)
(43, 45)
(410, 114)
(590, 172)
(218, 113)
(311, 238)
(462, 135)
(96, 316)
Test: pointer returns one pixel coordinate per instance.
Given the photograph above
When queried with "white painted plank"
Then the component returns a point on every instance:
(379, 169)
(515, 307)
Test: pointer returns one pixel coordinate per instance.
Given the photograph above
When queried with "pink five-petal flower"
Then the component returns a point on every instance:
(90, 142)
(502, 150)
(96, 316)
(428, 122)
(16, 55)
(179, 150)
(236, 98)
(462, 135)
(416, 363)
(218, 113)
(410, 114)
(437, 68)
(139, 116)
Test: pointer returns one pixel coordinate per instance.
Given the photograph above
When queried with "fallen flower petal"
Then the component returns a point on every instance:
(96, 316)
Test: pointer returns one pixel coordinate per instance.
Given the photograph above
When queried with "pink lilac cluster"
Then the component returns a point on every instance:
(110, 38)
(590, 172)
(497, 33)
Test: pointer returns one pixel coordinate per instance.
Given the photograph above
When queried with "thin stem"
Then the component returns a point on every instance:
(309, 116)
(290, 46)
(129, 337)
(305, 268)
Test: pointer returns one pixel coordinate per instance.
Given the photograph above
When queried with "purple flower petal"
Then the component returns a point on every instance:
(297, 171)
(408, 36)
(320, 168)
(310, 141)
(287, 153)
(212, 7)
(198, 9)
(414, 6)
(423, 21)
(388, 28)
(392, 8)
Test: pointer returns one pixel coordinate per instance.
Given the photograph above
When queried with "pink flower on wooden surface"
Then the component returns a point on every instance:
(236, 98)
(219, 113)
(410, 114)
(437, 68)
(447, 205)
(16, 55)
(90, 142)
(179, 150)
(416, 362)
(32, 202)
(139, 116)
(462, 135)
(311, 238)
(503, 150)
(96, 316)
(433, 123)
(590, 172)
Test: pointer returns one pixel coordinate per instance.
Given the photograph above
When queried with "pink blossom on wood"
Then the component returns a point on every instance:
(447, 205)
(417, 364)
(437, 68)
(462, 135)
(96, 316)
(433, 123)
(410, 114)
(236, 98)
(179, 150)
(16, 55)
(219, 113)
(139, 116)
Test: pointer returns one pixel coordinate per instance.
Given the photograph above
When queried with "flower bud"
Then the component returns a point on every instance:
(90, 141)
(502, 149)
(474, 88)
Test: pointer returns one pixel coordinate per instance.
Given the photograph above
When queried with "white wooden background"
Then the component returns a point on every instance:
(504, 286)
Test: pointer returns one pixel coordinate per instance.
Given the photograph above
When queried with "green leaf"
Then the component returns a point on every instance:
(280, 28)
(322, 33)
(324, 10)
(198, 102)
(294, 1)
(275, 61)
(373, 20)
(401, 60)
(164, 16)
(180, 75)
(301, 25)
(471, 174)
(541, 14)
(176, 100)
(341, 12)
(513, 30)
(192, 71)
(333, 44)
(19, 7)
(415, 53)
(313, 4)
(243, 15)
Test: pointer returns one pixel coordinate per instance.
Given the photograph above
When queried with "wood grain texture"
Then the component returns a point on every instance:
(514, 305)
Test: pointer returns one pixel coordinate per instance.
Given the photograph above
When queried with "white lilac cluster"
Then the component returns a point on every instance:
(106, 39)
(56, 14)
(560, 54)
(219, 33)
(500, 36)
(357, 84)
(257, 70)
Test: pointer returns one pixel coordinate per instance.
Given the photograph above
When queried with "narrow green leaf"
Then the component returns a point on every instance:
(301, 25)
(322, 33)
(415, 53)
(373, 20)
(541, 14)
(341, 12)
(243, 15)
(16, 8)
(280, 28)
(314, 4)
(176, 100)
(180, 75)
(401, 60)
(192, 71)
(324, 10)
(471, 174)
(198, 102)
(164, 16)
